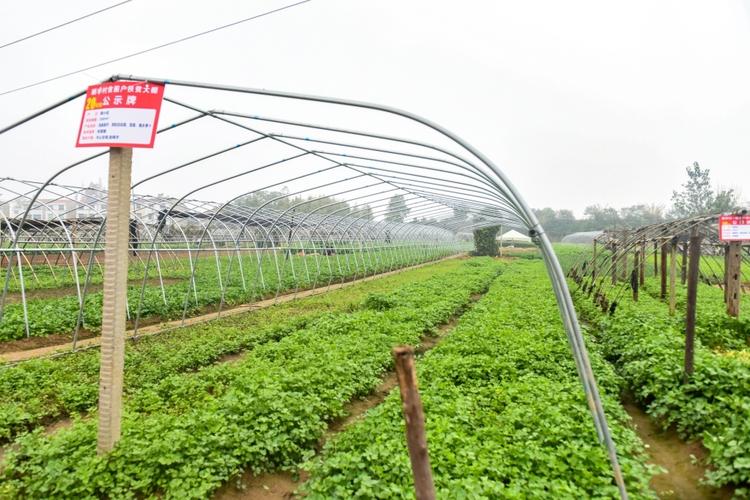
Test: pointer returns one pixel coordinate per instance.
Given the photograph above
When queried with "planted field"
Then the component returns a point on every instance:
(647, 346)
(505, 413)
(175, 289)
(187, 432)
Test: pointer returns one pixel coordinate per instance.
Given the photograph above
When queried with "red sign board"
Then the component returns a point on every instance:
(121, 114)
(734, 227)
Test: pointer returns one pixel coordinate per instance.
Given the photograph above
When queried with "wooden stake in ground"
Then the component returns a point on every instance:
(114, 302)
(634, 283)
(614, 263)
(416, 441)
(624, 271)
(694, 259)
(664, 250)
(683, 271)
(673, 277)
(733, 277)
(593, 264)
(642, 269)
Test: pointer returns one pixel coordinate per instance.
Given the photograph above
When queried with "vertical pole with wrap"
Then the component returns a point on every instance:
(115, 294)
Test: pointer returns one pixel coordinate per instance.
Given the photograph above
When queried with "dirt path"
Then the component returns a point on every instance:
(48, 350)
(283, 485)
(682, 479)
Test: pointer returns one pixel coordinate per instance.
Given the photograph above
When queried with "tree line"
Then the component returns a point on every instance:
(695, 197)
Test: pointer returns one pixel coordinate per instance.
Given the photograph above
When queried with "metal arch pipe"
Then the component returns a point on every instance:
(61, 171)
(555, 271)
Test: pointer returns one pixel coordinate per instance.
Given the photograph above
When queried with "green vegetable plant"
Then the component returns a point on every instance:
(505, 413)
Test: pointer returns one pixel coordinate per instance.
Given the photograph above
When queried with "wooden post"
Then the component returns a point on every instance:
(642, 269)
(115, 290)
(694, 258)
(726, 275)
(593, 264)
(614, 263)
(634, 277)
(416, 441)
(624, 271)
(656, 258)
(664, 250)
(734, 278)
(673, 277)
(683, 276)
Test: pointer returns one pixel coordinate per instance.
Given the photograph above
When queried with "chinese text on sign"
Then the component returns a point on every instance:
(734, 227)
(121, 114)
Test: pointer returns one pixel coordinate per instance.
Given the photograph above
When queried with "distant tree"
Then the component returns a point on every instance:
(558, 223)
(278, 200)
(601, 217)
(697, 198)
(362, 211)
(566, 223)
(322, 205)
(726, 200)
(641, 215)
(397, 209)
(460, 215)
(424, 220)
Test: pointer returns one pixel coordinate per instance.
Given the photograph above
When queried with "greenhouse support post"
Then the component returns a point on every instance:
(634, 283)
(663, 273)
(694, 258)
(593, 264)
(642, 267)
(672, 277)
(725, 282)
(734, 278)
(114, 300)
(624, 270)
(683, 270)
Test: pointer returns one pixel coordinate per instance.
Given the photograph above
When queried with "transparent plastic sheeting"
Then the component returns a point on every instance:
(305, 184)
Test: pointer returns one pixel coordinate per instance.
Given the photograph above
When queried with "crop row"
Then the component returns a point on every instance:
(714, 327)
(42, 390)
(59, 272)
(647, 346)
(188, 433)
(505, 413)
(59, 314)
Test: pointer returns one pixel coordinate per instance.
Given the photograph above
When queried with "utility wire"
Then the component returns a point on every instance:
(64, 24)
(157, 47)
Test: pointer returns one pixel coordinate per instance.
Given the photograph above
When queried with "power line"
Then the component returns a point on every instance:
(157, 47)
(64, 24)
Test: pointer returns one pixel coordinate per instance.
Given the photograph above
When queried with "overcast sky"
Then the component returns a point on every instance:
(580, 102)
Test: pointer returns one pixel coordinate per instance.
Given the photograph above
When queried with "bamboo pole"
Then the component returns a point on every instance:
(663, 274)
(694, 257)
(672, 277)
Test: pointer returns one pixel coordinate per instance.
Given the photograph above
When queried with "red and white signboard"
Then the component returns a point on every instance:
(734, 227)
(121, 114)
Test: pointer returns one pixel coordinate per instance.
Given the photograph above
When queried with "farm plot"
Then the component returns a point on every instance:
(714, 327)
(647, 345)
(41, 390)
(177, 291)
(505, 413)
(185, 433)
